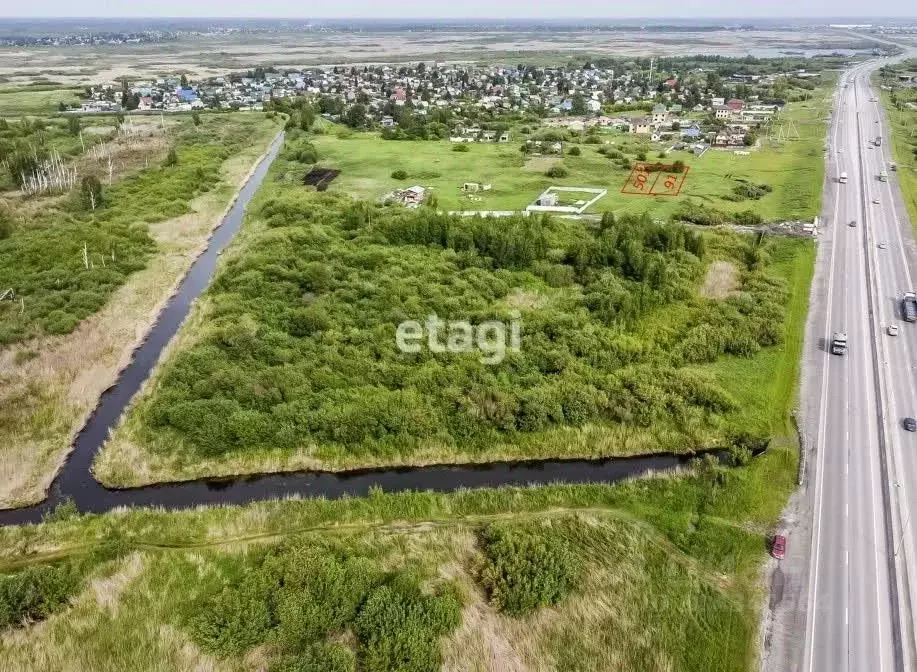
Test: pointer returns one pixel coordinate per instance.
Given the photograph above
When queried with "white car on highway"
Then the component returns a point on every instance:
(875, 201)
(893, 330)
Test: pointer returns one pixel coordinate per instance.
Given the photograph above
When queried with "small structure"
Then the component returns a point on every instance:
(640, 125)
(504, 136)
(8, 295)
(410, 197)
(388, 122)
(548, 200)
(473, 187)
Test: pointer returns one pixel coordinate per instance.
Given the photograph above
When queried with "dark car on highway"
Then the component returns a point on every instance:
(910, 424)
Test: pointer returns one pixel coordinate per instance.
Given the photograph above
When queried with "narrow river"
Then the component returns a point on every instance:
(75, 480)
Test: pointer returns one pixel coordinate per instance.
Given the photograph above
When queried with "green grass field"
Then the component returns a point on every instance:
(16, 101)
(903, 122)
(766, 386)
(794, 168)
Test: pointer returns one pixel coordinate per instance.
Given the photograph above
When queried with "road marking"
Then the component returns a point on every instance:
(819, 445)
(906, 544)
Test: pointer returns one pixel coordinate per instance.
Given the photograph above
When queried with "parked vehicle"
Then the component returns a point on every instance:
(778, 547)
(909, 306)
(839, 343)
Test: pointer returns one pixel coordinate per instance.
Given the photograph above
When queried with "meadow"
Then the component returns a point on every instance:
(652, 574)
(902, 116)
(16, 101)
(289, 360)
(76, 318)
(793, 168)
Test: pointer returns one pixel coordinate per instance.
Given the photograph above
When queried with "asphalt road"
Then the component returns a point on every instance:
(863, 470)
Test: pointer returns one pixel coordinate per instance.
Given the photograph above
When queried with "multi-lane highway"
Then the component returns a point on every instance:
(859, 588)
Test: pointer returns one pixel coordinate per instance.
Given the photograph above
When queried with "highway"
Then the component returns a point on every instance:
(859, 593)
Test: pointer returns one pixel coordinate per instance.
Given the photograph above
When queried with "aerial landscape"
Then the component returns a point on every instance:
(443, 340)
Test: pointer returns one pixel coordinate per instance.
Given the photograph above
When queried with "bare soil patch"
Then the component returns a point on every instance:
(320, 178)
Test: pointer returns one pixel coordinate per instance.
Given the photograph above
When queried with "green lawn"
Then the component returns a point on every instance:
(16, 101)
(765, 387)
(794, 168)
(903, 139)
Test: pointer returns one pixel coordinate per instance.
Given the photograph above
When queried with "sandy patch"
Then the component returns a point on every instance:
(721, 281)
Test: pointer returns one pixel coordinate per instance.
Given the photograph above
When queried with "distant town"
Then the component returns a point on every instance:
(695, 104)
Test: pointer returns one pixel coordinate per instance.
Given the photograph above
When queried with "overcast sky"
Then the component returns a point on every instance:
(519, 9)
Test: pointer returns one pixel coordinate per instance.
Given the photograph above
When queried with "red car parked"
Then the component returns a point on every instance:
(778, 549)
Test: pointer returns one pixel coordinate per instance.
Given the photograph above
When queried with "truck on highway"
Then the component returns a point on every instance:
(878, 140)
(883, 176)
(843, 178)
(909, 307)
(839, 343)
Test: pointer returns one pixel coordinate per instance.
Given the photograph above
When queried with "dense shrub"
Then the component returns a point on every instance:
(460, 147)
(526, 567)
(298, 595)
(321, 657)
(747, 218)
(35, 593)
(747, 190)
(399, 627)
(399, 174)
(298, 348)
(574, 151)
(557, 170)
(44, 262)
(38, 591)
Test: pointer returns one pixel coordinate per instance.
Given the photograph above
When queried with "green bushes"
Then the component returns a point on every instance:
(526, 568)
(460, 147)
(574, 151)
(297, 596)
(45, 263)
(748, 191)
(557, 170)
(298, 346)
(399, 174)
(35, 593)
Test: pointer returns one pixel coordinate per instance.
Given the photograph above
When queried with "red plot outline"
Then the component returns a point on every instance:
(657, 170)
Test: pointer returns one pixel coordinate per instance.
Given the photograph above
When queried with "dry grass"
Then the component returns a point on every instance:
(127, 460)
(58, 380)
(721, 281)
(642, 604)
